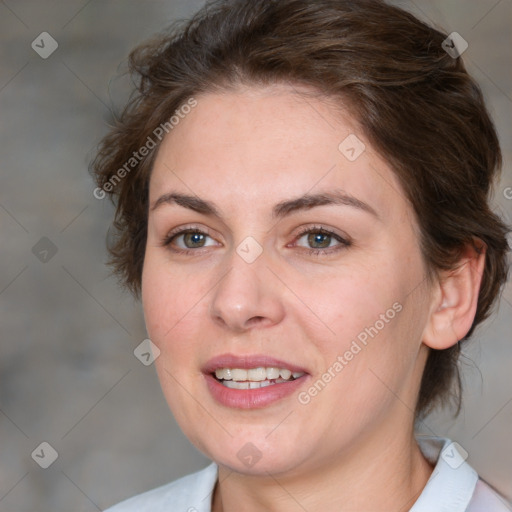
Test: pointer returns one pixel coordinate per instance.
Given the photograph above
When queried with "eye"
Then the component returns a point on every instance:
(320, 241)
(191, 239)
(187, 240)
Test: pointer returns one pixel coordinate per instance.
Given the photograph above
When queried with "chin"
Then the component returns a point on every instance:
(255, 455)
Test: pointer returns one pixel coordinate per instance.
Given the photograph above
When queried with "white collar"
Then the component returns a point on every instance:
(452, 483)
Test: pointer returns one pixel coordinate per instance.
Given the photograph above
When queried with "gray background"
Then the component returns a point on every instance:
(68, 375)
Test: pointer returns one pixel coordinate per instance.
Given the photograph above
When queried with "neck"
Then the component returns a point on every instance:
(374, 476)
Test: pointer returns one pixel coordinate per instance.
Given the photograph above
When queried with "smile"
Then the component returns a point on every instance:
(255, 378)
(252, 381)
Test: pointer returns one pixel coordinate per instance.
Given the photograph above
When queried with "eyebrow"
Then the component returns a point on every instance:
(279, 211)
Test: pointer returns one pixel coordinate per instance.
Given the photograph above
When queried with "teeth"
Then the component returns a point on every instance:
(254, 376)
(223, 374)
(232, 384)
(238, 374)
(236, 385)
(272, 373)
(285, 374)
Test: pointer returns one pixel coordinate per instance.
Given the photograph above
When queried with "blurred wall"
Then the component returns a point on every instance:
(68, 375)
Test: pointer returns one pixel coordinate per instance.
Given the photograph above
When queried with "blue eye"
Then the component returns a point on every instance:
(192, 238)
(320, 239)
(195, 238)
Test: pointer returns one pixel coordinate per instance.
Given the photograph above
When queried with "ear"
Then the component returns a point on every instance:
(455, 299)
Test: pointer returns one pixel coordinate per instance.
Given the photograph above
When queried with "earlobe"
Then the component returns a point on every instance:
(455, 301)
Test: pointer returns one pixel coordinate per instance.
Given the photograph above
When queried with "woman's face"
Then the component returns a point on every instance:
(303, 258)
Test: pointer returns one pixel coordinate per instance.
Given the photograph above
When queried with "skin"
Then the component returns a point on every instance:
(352, 446)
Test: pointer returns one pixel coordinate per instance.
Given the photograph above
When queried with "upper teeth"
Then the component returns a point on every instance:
(255, 374)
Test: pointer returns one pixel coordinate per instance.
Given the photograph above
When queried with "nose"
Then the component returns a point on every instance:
(248, 295)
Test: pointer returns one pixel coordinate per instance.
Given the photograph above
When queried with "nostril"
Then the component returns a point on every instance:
(255, 319)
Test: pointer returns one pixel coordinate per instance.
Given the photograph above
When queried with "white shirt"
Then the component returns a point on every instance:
(454, 486)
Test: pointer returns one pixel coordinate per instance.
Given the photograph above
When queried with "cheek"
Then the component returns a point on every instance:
(348, 301)
(155, 299)
(170, 312)
(175, 303)
(164, 298)
(374, 322)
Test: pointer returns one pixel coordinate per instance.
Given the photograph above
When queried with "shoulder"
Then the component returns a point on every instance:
(191, 492)
(486, 499)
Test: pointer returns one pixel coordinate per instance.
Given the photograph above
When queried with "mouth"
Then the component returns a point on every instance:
(251, 382)
(254, 378)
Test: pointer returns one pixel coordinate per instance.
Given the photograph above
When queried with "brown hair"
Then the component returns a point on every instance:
(416, 104)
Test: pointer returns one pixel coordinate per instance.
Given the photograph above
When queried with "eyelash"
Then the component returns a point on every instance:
(312, 229)
(323, 231)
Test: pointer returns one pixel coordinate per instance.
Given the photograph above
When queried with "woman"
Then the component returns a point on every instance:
(302, 205)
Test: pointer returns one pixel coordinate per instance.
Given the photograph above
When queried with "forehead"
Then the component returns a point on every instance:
(260, 145)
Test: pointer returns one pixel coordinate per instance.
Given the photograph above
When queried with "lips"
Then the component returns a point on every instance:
(253, 381)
